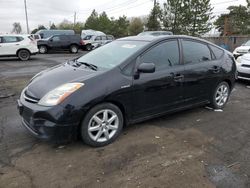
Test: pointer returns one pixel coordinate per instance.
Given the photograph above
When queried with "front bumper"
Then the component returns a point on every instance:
(243, 72)
(46, 122)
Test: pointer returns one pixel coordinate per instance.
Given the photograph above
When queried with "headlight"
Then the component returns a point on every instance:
(238, 60)
(57, 95)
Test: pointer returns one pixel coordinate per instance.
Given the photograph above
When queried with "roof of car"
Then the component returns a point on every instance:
(150, 38)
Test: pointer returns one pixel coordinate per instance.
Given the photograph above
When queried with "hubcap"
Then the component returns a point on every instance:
(74, 49)
(42, 50)
(103, 125)
(221, 95)
(23, 54)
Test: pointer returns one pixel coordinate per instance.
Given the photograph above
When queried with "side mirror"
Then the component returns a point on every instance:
(51, 40)
(146, 68)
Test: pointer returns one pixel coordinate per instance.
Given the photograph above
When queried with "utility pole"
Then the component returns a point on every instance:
(27, 23)
(74, 19)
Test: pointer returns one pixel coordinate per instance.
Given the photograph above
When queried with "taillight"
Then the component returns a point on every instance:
(82, 42)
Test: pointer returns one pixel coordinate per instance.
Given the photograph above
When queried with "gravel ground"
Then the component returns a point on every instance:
(193, 148)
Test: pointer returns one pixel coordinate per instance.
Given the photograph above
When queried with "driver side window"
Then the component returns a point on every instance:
(164, 55)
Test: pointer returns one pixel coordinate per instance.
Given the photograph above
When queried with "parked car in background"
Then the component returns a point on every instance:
(91, 32)
(48, 33)
(241, 50)
(21, 46)
(243, 67)
(155, 33)
(60, 42)
(126, 81)
(36, 36)
(92, 41)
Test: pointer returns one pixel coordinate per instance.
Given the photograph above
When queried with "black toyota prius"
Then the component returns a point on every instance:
(127, 81)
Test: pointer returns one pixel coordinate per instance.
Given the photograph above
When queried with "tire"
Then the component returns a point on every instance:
(73, 49)
(88, 47)
(23, 55)
(43, 49)
(96, 130)
(220, 96)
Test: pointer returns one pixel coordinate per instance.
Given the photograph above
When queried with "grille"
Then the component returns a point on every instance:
(248, 66)
(244, 75)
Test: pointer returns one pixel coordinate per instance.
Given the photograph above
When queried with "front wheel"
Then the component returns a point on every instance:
(102, 125)
(89, 47)
(220, 96)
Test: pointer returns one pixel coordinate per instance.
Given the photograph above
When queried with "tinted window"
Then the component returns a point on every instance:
(56, 38)
(110, 37)
(9, 39)
(64, 37)
(1, 39)
(88, 37)
(98, 38)
(195, 52)
(217, 52)
(20, 39)
(104, 38)
(163, 55)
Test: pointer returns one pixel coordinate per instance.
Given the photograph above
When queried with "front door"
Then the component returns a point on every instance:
(160, 91)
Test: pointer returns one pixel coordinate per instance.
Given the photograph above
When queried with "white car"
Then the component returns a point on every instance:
(243, 49)
(243, 67)
(93, 41)
(21, 46)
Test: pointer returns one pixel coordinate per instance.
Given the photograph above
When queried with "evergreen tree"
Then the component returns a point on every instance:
(53, 26)
(92, 21)
(197, 16)
(174, 16)
(135, 26)
(154, 18)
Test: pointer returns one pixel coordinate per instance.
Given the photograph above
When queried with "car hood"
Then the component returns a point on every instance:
(49, 79)
(243, 48)
(246, 57)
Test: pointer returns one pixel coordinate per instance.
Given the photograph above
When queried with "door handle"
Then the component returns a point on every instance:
(215, 69)
(17, 44)
(177, 77)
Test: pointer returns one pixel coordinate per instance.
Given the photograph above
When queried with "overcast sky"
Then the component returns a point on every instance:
(46, 11)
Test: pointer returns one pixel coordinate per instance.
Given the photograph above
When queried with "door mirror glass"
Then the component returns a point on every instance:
(146, 68)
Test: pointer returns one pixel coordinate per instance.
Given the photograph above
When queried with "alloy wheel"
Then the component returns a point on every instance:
(103, 125)
(221, 95)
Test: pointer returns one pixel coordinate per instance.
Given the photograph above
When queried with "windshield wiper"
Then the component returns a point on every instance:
(93, 67)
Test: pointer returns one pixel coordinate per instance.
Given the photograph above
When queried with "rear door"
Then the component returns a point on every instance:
(10, 45)
(160, 91)
(202, 71)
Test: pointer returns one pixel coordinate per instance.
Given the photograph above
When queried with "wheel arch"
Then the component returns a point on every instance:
(22, 49)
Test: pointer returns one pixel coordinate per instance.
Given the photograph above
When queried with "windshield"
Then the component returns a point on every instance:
(247, 43)
(112, 54)
(87, 37)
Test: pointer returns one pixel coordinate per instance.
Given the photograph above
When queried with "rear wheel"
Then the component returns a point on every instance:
(102, 125)
(43, 49)
(220, 96)
(23, 55)
(74, 49)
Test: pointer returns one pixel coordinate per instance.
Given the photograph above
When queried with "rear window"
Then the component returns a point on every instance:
(110, 37)
(217, 52)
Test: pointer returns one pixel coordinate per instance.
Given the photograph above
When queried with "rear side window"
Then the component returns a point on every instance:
(104, 38)
(195, 52)
(110, 37)
(10, 39)
(164, 55)
(217, 52)
(98, 38)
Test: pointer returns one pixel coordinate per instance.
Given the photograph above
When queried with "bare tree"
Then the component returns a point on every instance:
(16, 28)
